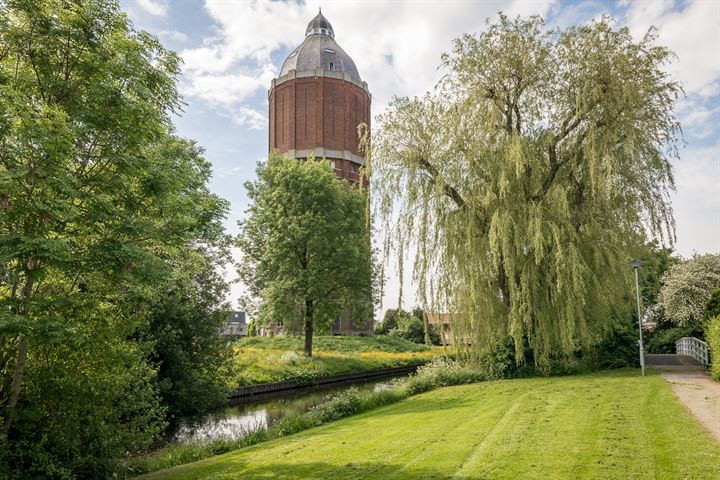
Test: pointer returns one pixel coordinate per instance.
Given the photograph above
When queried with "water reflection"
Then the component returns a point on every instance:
(237, 421)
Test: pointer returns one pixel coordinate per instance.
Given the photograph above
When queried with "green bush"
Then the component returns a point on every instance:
(441, 372)
(87, 401)
(713, 340)
(712, 307)
(410, 328)
(666, 333)
(618, 349)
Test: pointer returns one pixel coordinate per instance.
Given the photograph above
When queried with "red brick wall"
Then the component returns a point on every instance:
(315, 112)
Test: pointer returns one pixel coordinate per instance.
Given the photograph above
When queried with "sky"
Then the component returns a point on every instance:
(232, 49)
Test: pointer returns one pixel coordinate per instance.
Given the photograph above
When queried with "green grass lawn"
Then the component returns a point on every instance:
(271, 359)
(602, 426)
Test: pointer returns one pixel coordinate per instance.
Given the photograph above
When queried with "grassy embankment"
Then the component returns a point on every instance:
(265, 359)
(599, 426)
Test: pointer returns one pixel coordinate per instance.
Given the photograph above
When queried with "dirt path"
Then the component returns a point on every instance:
(693, 387)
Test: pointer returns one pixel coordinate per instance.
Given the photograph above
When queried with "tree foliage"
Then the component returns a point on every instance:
(527, 179)
(712, 306)
(389, 321)
(185, 325)
(656, 260)
(411, 326)
(713, 340)
(306, 246)
(99, 204)
(687, 287)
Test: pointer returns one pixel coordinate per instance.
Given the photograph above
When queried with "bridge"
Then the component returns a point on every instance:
(692, 356)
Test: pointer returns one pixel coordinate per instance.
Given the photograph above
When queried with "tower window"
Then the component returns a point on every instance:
(331, 65)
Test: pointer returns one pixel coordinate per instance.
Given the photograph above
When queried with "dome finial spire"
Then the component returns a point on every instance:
(319, 26)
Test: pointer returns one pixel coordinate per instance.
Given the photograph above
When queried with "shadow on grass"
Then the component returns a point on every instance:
(231, 470)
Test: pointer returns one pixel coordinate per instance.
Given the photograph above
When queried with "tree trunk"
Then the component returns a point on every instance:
(308, 327)
(16, 384)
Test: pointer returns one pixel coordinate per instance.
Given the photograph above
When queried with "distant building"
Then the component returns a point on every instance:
(649, 326)
(340, 326)
(343, 326)
(235, 325)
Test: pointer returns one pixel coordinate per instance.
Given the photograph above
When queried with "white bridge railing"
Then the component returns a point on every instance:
(693, 347)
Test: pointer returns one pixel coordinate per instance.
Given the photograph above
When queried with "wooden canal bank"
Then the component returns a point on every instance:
(266, 390)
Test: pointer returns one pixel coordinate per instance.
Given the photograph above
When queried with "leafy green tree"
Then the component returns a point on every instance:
(527, 179)
(430, 334)
(98, 202)
(390, 321)
(656, 260)
(306, 246)
(409, 327)
(185, 325)
(687, 287)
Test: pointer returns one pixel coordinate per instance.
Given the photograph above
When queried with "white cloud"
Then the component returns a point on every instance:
(690, 29)
(249, 117)
(158, 8)
(174, 34)
(225, 88)
(396, 45)
(697, 201)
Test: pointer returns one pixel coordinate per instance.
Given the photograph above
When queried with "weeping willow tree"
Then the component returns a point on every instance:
(526, 179)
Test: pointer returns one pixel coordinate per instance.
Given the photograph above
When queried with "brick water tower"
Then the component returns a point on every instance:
(318, 101)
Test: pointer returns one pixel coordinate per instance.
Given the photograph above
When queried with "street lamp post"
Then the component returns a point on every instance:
(635, 264)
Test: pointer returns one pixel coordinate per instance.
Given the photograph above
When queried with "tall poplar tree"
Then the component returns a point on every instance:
(527, 179)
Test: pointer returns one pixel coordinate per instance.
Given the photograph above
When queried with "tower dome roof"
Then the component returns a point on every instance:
(319, 49)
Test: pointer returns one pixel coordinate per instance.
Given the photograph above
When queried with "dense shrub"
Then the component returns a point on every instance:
(441, 372)
(408, 325)
(713, 340)
(712, 307)
(189, 350)
(618, 349)
(662, 339)
(410, 328)
(88, 400)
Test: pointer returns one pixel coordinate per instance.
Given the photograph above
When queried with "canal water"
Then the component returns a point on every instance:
(253, 414)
